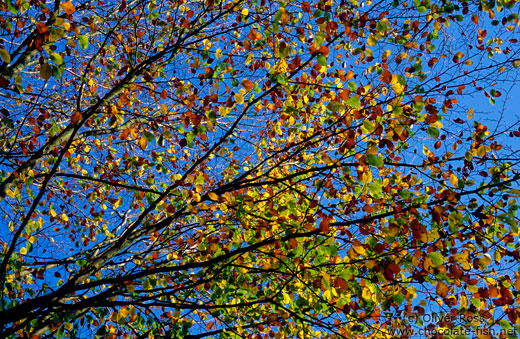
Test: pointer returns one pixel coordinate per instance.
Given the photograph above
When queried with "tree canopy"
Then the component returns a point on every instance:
(258, 169)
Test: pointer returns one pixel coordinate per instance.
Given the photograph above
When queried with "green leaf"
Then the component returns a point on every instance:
(46, 71)
(322, 60)
(83, 41)
(398, 298)
(81, 262)
(353, 102)
(4, 54)
(436, 258)
(56, 58)
(375, 161)
(149, 136)
(334, 106)
(433, 132)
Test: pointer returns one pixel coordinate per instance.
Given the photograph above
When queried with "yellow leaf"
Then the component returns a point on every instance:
(454, 180)
(486, 260)
(372, 41)
(366, 177)
(164, 109)
(481, 151)
(23, 251)
(470, 113)
(245, 11)
(437, 124)
(366, 294)
(239, 98)
(213, 196)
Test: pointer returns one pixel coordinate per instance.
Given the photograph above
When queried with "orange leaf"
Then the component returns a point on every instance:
(68, 7)
(213, 196)
(143, 143)
(248, 84)
(474, 19)
(75, 117)
(209, 326)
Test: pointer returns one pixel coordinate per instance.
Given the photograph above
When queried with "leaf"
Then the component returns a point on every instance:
(45, 71)
(248, 84)
(4, 54)
(83, 41)
(324, 225)
(239, 98)
(76, 117)
(386, 76)
(68, 7)
(375, 161)
(56, 58)
(441, 289)
(322, 60)
(353, 102)
(143, 142)
(213, 196)
(436, 258)
(470, 113)
(433, 132)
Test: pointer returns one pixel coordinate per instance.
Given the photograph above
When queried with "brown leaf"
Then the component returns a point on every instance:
(474, 19)
(340, 283)
(386, 76)
(442, 289)
(306, 7)
(325, 225)
(3, 82)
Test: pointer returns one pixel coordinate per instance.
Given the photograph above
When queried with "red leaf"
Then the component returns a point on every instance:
(164, 94)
